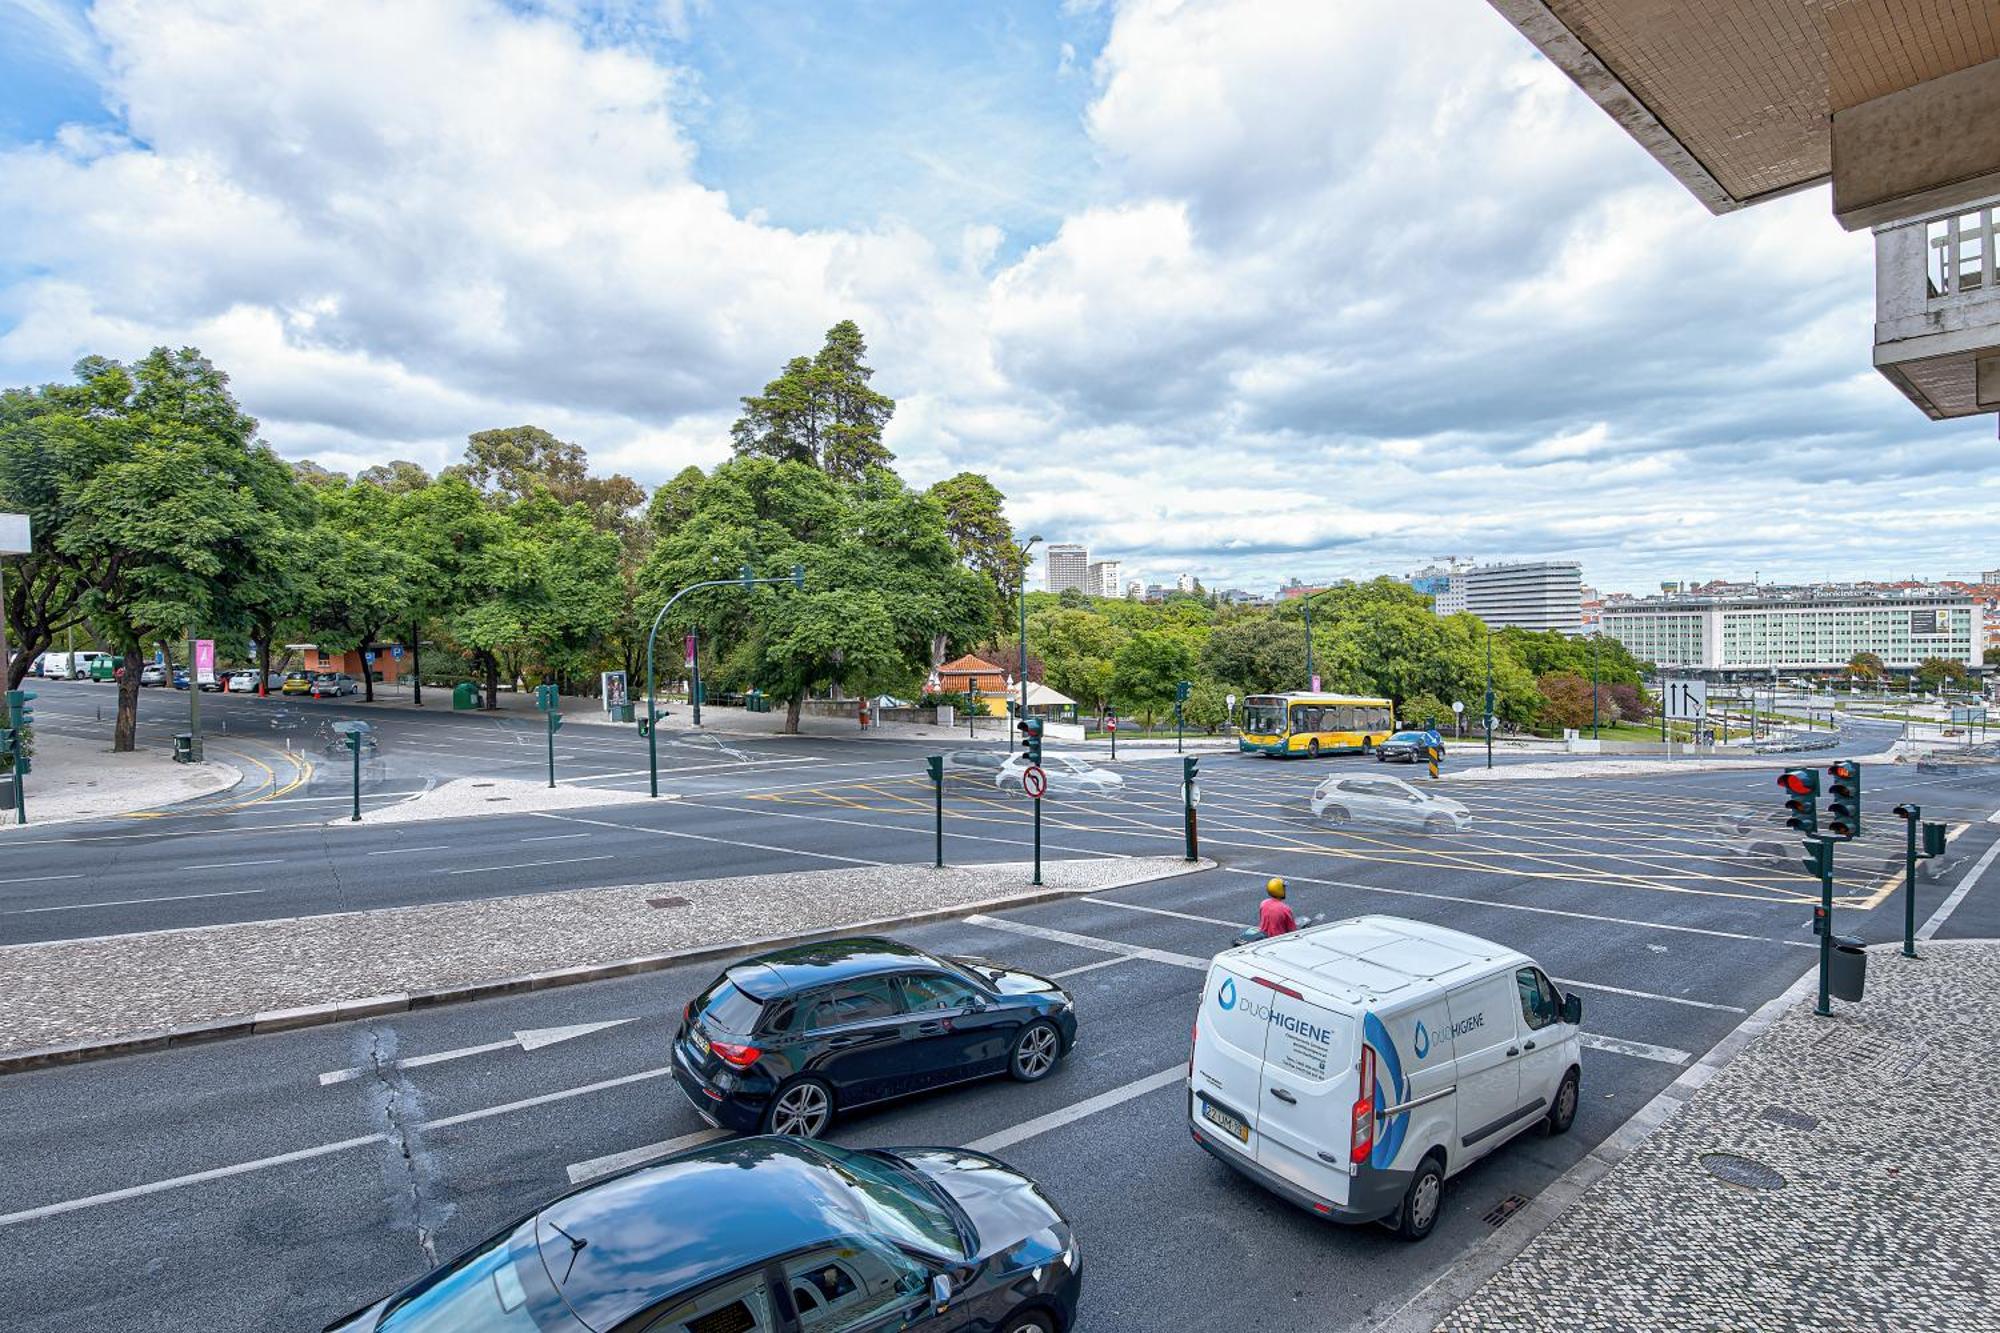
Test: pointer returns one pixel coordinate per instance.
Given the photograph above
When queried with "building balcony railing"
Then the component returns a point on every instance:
(1961, 253)
(1937, 309)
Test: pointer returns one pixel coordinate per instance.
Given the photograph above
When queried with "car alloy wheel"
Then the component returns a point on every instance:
(1036, 1051)
(803, 1110)
(1335, 814)
(1437, 824)
(1029, 1322)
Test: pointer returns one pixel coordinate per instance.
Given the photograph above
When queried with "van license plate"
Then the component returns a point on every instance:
(1210, 1113)
(700, 1040)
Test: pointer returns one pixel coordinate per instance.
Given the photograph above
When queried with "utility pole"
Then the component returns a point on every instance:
(1593, 684)
(1489, 698)
(1024, 647)
(194, 702)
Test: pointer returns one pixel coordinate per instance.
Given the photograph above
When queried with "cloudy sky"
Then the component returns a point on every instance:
(1247, 288)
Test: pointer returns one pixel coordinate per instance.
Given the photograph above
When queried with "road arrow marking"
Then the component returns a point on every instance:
(528, 1039)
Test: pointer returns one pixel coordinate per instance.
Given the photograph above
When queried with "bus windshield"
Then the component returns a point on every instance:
(1264, 716)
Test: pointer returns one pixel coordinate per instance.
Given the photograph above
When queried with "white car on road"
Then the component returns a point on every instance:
(1067, 775)
(1387, 801)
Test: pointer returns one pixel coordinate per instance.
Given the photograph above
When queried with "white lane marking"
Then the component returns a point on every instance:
(128, 902)
(528, 1039)
(1649, 995)
(1095, 942)
(38, 879)
(1541, 911)
(1950, 905)
(703, 837)
(1090, 1106)
(618, 1161)
(554, 837)
(394, 851)
(1666, 1055)
(1161, 911)
(523, 865)
(226, 865)
(1113, 961)
(304, 1154)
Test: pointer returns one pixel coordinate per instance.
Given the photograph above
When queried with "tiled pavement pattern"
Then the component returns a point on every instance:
(83, 990)
(1881, 1121)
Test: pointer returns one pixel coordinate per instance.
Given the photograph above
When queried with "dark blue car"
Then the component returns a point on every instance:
(1408, 746)
(766, 1235)
(783, 1042)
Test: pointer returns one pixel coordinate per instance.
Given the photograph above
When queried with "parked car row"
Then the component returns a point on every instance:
(1350, 1069)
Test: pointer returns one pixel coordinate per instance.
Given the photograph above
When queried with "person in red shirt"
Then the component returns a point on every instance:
(1273, 917)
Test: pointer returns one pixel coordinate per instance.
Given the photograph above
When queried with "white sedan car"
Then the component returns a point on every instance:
(1067, 775)
(1387, 801)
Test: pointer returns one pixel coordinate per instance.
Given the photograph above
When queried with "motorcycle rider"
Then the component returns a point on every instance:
(1274, 918)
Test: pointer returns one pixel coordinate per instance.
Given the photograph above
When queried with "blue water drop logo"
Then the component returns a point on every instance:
(1423, 1040)
(1226, 997)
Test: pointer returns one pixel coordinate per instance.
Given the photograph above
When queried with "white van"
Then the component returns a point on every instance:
(1353, 1066)
(71, 666)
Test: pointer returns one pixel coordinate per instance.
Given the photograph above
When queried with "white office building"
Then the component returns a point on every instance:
(1531, 595)
(1816, 629)
(1100, 578)
(1068, 567)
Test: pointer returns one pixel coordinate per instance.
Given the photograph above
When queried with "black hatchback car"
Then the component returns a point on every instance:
(766, 1235)
(782, 1042)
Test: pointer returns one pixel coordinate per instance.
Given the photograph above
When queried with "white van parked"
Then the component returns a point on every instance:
(1353, 1066)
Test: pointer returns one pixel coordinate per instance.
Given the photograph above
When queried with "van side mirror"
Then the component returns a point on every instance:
(1572, 1009)
(940, 1293)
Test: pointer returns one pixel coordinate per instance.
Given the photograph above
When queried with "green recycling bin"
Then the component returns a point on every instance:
(621, 712)
(756, 702)
(465, 695)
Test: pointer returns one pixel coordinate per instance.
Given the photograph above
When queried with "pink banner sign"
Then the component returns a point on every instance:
(204, 661)
(689, 658)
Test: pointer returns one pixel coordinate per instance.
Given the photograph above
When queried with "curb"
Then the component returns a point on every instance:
(342, 1011)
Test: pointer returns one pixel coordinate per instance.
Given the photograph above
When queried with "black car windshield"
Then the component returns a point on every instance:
(479, 1292)
(901, 1206)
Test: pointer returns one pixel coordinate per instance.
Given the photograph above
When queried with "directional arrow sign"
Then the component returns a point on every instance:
(528, 1039)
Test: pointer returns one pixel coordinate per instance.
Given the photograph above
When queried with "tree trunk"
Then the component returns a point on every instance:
(793, 707)
(125, 731)
(263, 665)
(25, 655)
(492, 680)
(367, 669)
(416, 667)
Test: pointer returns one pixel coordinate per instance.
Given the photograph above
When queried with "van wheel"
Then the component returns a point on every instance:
(1562, 1111)
(1422, 1202)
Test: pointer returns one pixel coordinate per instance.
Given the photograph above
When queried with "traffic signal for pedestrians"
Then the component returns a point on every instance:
(1933, 838)
(1801, 787)
(1031, 739)
(545, 697)
(555, 720)
(1182, 690)
(1819, 858)
(1190, 769)
(19, 714)
(1843, 811)
(798, 576)
(935, 763)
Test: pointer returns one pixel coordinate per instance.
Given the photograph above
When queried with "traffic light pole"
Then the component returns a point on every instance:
(1038, 841)
(354, 744)
(552, 747)
(936, 762)
(1190, 796)
(1177, 728)
(797, 579)
(1825, 1007)
(1911, 814)
(1488, 718)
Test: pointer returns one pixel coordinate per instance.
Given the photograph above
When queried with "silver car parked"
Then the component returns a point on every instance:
(1391, 802)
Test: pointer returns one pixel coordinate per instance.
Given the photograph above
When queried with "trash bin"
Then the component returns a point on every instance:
(1847, 969)
(465, 695)
(621, 712)
(756, 702)
(184, 748)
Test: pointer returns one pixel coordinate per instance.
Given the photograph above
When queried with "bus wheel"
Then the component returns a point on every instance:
(1312, 749)
(1367, 745)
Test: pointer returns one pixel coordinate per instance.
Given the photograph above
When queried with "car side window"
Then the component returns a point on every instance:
(852, 1002)
(1539, 1005)
(741, 1304)
(851, 1285)
(929, 992)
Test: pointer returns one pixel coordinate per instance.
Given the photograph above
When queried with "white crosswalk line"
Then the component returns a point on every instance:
(1068, 1115)
(618, 1161)
(1666, 1055)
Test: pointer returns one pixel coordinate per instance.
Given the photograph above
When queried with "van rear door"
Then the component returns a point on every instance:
(1305, 1112)
(1228, 1067)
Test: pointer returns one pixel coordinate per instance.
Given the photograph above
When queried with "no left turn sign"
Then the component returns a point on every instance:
(1034, 781)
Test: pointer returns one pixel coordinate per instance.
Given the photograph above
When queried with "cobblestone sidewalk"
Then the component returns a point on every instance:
(77, 778)
(1839, 1174)
(125, 986)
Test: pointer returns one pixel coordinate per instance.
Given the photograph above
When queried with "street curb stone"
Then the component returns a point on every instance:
(315, 1015)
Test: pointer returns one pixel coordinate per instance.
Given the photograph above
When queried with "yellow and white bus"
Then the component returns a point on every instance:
(1314, 724)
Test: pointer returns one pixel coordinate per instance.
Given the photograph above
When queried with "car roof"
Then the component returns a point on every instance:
(804, 966)
(1366, 960)
(667, 1228)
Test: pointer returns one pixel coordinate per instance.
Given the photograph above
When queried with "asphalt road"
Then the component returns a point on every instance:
(236, 1186)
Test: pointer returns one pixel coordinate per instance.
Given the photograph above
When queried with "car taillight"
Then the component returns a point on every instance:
(740, 1056)
(1362, 1140)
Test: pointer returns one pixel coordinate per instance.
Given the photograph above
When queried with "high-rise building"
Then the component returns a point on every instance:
(1798, 629)
(1532, 595)
(1100, 578)
(1068, 567)
(1184, 583)
(1135, 590)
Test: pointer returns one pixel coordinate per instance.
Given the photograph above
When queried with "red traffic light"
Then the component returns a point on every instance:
(1843, 770)
(1799, 781)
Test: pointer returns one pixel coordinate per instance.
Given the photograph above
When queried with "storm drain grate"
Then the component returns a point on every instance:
(1790, 1119)
(1505, 1209)
(666, 902)
(1742, 1171)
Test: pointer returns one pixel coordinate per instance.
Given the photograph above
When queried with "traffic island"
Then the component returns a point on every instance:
(464, 798)
(1836, 1173)
(74, 779)
(72, 1000)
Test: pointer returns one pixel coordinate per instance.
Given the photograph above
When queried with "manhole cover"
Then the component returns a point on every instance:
(1790, 1119)
(1742, 1171)
(666, 902)
(499, 798)
(1505, 1209)
(482, 784)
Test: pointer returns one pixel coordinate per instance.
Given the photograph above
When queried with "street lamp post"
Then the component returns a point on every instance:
(1593, 686)
(797, 578)
(1489, 699)
(1030, 545)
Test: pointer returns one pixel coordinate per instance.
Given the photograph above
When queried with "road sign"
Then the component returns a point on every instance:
(369, 657)
(1034, 781)
(1229, 702)
(1686, 700)
(1315, 685)
(1111, 724)
(1961, 716)
(1191, 793)
(689, 658)
(1457, 706)
(1492, 722)
(396, 651)
(14, 535)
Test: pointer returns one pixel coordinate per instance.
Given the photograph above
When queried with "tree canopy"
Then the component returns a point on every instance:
(820, 411)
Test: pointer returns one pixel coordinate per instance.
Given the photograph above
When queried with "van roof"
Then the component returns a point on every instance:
(1364, 959)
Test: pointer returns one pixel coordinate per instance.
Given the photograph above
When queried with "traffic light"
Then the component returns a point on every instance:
(798, 576)
(935, 763)
(1182, 690)
(1801, 787)
(555, 720)
(1933, 838)
(1031, 739)
(746, 577)
(1844, 810)
(1819, 859)
(1190, 769)
(20, 714)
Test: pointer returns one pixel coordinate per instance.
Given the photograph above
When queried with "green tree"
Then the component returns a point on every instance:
(396, 477)
(1865, 666)
(1145, 671)
(1207, 706)
(1992, 657)
(1423, 708)
(1263, 655)
(362, 580)
(980, 531)
(1934, 672)
(820, 412)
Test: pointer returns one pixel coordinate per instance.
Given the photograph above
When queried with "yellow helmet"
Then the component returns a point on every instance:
(1276, 888)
